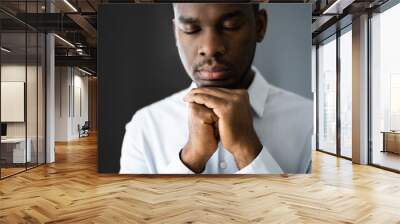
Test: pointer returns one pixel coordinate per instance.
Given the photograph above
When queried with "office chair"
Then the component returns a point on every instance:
(84, 130)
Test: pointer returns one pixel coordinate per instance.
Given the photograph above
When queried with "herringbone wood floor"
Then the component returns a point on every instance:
(70, 191)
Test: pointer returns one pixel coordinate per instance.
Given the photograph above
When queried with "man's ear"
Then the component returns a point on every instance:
(174, 30)
(261, 24)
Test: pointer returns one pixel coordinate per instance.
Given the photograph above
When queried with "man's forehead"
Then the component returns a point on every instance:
(195, 9)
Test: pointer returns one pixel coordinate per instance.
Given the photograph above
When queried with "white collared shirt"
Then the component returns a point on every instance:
(282, 120)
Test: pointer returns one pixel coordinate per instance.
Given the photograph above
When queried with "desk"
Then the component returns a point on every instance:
(391, 141)
(13, 150)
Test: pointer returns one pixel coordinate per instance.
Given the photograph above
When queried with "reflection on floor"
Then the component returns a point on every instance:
(11, 169)
(347, 152)
(387, 159)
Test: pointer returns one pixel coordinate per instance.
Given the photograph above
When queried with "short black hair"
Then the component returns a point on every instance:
(256, 7)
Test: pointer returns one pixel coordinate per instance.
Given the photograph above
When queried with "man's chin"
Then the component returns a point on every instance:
(225, 83)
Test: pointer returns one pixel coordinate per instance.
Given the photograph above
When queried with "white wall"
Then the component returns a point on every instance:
(61, 103)
(70, 88)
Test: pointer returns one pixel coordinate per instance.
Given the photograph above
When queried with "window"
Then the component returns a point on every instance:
(395, 101)
(385, 88)
(346, 92)
(327, 95)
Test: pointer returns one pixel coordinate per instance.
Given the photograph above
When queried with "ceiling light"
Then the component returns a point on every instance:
(64, 40)
(70, 5)
(337, 7)
(84, 71)
(5, 50)
(329, 9)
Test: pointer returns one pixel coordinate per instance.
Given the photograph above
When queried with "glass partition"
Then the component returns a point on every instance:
(14, 153)
(31, 100)
(327, 95)
(22, 88)
(41, 107)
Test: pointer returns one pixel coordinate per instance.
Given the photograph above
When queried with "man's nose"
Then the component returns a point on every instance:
(212, 44)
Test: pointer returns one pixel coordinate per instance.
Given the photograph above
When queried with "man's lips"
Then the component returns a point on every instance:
(214, 73)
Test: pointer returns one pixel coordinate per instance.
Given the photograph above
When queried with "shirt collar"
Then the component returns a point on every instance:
(258, 92)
